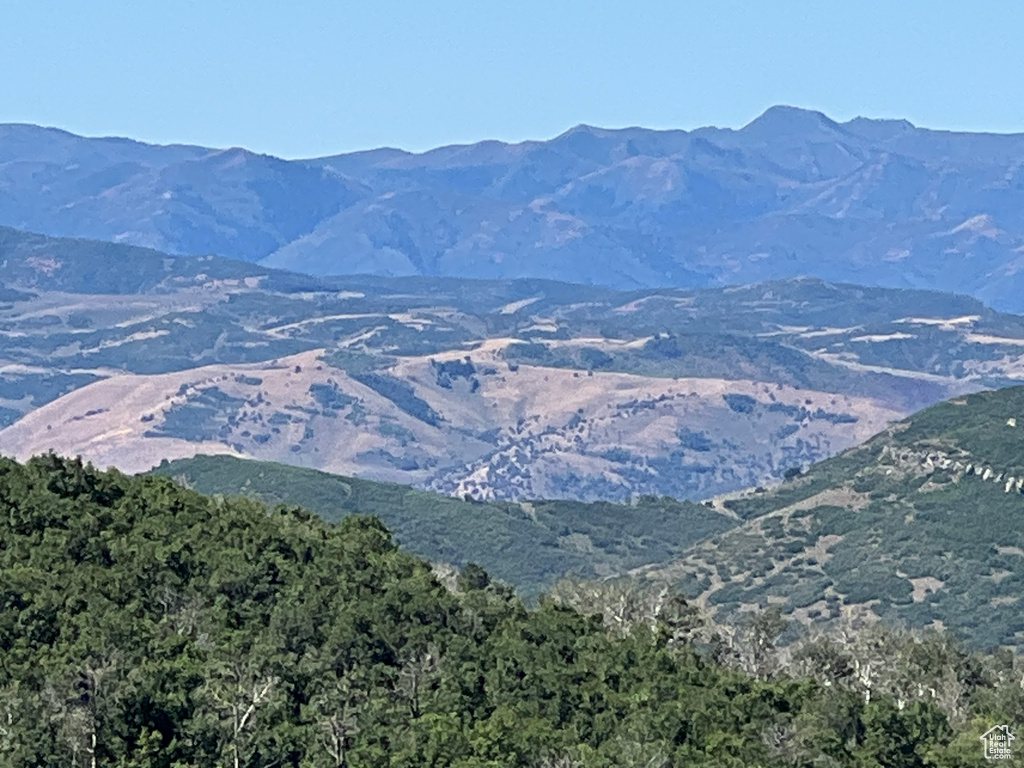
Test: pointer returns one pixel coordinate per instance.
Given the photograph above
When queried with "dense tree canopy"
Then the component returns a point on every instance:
(142, 624)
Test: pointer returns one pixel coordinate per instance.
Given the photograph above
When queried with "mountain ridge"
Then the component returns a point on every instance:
(793, 192)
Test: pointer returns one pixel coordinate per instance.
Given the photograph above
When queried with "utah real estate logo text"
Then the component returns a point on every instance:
(997, 742)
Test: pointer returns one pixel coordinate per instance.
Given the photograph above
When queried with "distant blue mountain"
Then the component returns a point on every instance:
(876, 202)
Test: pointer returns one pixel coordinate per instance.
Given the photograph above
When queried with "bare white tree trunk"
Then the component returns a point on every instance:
(240, 693)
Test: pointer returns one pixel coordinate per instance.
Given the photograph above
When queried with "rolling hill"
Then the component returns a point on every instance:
(920, 525)
(495, 430)
(497, 389)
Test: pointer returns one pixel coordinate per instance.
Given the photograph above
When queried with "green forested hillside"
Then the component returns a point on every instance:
(529, 545)
(921, 525)
(142, 624)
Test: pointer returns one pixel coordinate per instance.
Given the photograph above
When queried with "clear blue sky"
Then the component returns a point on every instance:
(312, 77)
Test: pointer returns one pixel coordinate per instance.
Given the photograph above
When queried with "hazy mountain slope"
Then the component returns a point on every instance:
(920, 525)
(528, 545)
(37, 262)
(791, 193)
(184, 200)
(877, 202)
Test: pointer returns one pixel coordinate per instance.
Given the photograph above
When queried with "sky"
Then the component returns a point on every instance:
(314, 77)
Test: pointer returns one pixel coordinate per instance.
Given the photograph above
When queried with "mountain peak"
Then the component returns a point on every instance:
(582, 132)
(579, 128)
(781, 120)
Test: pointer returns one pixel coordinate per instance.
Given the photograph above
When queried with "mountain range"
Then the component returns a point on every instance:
(874, 202)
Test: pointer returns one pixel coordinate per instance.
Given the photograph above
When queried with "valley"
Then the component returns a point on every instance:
(917, 526)
(530, 545)
(780, 405)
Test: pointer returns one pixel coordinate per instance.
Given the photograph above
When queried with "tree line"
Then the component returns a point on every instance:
(143, 624)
